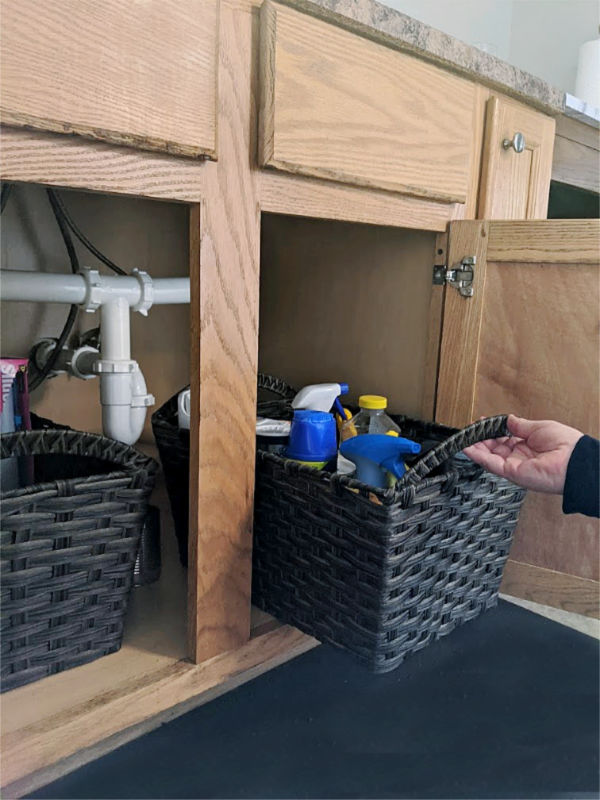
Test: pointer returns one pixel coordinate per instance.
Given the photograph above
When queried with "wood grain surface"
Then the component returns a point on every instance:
(556, 241)
(539, 359)
(551, 588)
(343, 302)
(536, 355)
(140, 74)
(337, 106)
(224, 270)
(296, 195)
(515, 185)
(576, 164)
(55, 160)
(462, 320)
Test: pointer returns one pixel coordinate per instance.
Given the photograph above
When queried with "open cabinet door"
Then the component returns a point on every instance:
(527, 341)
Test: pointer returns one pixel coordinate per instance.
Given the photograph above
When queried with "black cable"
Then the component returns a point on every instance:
(5, 194)
(83, 238)
(40, 375)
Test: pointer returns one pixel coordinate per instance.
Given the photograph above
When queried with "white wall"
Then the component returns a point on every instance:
(539, 36)
(546, 35)
(473, 21)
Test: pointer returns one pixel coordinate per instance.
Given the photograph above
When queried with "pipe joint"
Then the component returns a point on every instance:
(93, 289)
(146, 292)
(105, 365)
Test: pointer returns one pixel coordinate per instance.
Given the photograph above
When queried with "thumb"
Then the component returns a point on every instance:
(521, 427)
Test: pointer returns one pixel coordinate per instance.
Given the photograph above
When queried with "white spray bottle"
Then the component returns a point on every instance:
(321, 397)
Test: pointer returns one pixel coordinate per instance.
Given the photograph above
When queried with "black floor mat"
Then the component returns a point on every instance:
(505, 707)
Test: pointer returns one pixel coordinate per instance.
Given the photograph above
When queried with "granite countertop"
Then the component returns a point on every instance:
(381, 23)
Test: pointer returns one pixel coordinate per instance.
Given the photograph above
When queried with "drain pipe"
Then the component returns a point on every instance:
(123, 392)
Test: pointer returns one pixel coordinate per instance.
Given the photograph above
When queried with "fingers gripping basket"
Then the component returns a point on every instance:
(68, 548)
(384, 572)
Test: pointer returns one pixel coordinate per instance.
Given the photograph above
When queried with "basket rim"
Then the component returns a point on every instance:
(135, 463)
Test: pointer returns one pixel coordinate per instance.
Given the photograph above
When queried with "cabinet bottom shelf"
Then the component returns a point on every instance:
(55, 725)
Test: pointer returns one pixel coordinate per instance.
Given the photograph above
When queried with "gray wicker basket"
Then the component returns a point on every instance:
(68, 545)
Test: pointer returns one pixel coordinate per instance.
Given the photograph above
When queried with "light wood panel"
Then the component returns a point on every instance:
(48, 158)
(140, 74)
(337, 106)
(283, 193)
(576, 165)
(539, 359)
(551, 588)
(515, 185)
(462, 318)
(576, 131)
(536, 356)
(224, 271)
(343, 302)
(558, 241)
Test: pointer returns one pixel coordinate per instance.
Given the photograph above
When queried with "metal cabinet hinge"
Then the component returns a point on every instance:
(459, 277)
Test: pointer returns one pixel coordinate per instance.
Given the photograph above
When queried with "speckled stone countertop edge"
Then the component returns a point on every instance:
(380, 23)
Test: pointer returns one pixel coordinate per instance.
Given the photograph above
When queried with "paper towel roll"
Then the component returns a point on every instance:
(587, 84)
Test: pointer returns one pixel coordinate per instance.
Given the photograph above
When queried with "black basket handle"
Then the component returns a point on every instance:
(277, 386)
(75, 443)
(489, 428)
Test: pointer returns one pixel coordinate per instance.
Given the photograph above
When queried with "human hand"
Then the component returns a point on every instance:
(535, 455)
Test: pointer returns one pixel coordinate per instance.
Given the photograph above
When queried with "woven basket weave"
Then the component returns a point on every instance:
(379, 573)
(67, 550)
(382, 573)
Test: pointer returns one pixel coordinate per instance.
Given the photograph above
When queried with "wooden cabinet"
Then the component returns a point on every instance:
(369, 149)
(517, 162)
(142, 74)
(528, 342)
(338, 106)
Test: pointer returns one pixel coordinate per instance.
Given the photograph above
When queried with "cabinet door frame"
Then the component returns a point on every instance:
(500, 165)
(536, 241)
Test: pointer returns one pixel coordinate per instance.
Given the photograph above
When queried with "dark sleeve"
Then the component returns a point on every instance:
(581, 494)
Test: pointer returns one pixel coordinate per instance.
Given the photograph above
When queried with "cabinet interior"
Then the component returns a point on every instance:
(346, 302)
(133, 232)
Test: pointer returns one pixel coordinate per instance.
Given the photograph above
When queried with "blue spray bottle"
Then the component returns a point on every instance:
(379, 458)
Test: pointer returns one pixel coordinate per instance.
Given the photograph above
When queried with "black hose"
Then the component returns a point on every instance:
(40, 375)
(83, 238)
(5, 194)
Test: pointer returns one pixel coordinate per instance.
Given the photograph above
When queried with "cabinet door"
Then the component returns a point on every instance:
(515, 173)
(527, 342)
(336, 105)
(136, 73)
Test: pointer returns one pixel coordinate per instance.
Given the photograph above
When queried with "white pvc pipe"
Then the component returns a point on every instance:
(123, 392)
(114, 326)
(49, 287)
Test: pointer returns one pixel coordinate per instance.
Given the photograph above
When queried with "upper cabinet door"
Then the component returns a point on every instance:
(527, 342)
(336, 105)
(517, 162)
(135, 73)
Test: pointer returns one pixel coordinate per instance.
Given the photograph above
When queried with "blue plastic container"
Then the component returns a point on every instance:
(313, 438)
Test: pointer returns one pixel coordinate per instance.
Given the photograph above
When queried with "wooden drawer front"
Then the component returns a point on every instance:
(335, 105)
(137, 73)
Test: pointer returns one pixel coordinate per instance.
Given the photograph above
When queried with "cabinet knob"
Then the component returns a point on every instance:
(517, 143)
